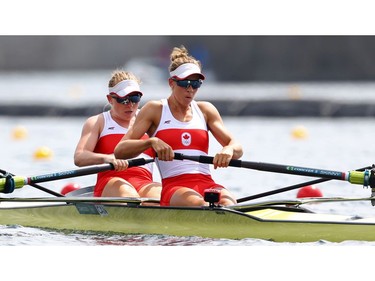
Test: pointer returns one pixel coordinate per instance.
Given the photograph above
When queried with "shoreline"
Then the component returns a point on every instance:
(263, 108)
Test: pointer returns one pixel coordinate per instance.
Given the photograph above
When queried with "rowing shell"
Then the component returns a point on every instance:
(279, 221)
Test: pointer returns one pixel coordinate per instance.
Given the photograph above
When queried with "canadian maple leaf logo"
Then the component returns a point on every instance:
(186, 139)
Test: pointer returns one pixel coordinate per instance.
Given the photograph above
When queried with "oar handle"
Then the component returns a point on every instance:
(139, 161)
(205, 159)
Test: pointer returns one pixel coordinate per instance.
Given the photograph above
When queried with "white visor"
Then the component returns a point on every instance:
(125, 88)
(185, 70)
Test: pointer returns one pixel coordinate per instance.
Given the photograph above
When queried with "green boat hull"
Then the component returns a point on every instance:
(273, 224)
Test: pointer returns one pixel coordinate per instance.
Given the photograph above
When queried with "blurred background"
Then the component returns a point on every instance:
(246, 75)
(231, 58)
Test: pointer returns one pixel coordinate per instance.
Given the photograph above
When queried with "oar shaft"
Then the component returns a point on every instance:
(288, 188)
(284, 189)
(354, 177)
(270, 167)
(20, 181)
(70, 173)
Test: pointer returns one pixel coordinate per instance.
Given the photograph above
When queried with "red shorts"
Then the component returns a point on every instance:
(136, 177)
(197, 182)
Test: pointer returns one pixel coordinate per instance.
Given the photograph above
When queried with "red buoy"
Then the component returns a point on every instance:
(69, 188)
(309, 191)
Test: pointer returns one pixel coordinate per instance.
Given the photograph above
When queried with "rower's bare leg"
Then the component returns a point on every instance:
(119, 188)
(187, 197)
(152, 190)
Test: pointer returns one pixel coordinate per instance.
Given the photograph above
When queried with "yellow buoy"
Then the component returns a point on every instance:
(299, 132)
(19, 132)
(43, 153)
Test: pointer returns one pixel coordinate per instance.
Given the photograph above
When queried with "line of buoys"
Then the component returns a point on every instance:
(41, 153)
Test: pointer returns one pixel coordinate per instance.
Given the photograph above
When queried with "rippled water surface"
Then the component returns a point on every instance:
(333, 144)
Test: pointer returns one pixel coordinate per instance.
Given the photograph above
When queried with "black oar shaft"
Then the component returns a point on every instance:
(277, 168)
(37, 186)
(284, 189)
(360, 176)
(288, 188)
(85, 171)
(364, 178)
(70, 173)
(19, 181)
(294, 170)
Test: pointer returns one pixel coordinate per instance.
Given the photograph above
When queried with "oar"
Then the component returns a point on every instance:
(36, 185)
(71, 199)
(288, 188)
(7, 185)
(355, 177)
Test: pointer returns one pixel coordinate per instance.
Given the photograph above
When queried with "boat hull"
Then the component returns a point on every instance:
(273, 224)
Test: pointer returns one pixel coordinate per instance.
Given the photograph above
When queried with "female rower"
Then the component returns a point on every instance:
(101, 133)
(180, 124)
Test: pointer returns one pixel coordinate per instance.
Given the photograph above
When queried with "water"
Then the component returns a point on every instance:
(336, 144)
(332, 144)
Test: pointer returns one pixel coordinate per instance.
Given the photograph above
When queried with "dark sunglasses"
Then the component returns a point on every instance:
(128, 99)
(195, 84)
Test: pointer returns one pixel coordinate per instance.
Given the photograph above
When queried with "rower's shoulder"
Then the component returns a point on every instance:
(206, 106)
(95, 119)
(152, 105)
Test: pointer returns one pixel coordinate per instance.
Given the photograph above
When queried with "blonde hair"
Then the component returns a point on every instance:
(180, 55)
(120, 75)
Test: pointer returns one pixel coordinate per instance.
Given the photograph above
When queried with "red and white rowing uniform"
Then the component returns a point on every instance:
(111, 134)
(189, 138)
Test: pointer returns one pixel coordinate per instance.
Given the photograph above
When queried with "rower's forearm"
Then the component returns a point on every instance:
(86, 158)
(131, 148)
(237, 151)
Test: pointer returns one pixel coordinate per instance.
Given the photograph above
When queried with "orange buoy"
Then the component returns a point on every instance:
(69, 188)
(309, 191)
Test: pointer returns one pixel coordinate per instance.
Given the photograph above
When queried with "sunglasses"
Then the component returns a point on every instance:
(195, 84)
(128, 99)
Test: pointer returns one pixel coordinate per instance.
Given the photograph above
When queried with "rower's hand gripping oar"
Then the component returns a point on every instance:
(9, 183)
(365, 178)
